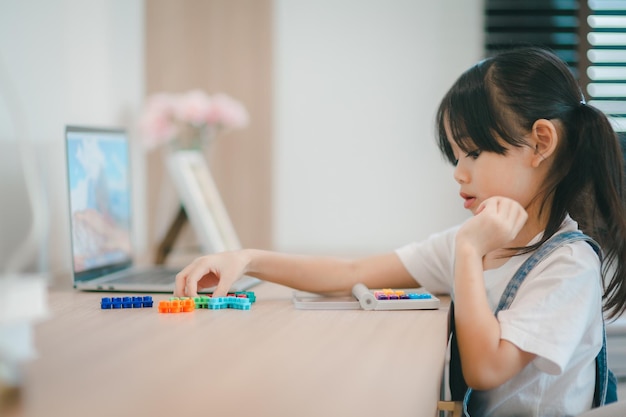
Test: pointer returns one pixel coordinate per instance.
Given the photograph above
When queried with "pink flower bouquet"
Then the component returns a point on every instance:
(189, 118)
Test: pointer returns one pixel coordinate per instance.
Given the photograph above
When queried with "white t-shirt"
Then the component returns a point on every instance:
(556, 314)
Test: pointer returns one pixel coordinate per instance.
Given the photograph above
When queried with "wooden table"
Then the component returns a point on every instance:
(272, 360)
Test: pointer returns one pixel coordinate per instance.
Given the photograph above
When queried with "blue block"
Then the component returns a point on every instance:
(147, 301)
(415, 296)
(127, 302)
(105, 303)
(137, 302)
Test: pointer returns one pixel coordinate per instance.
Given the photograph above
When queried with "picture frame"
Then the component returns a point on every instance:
(201, 201)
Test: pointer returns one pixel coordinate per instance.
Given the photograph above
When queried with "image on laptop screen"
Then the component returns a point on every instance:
(100, 207)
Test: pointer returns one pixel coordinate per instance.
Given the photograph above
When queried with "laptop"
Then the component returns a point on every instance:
(100, 202)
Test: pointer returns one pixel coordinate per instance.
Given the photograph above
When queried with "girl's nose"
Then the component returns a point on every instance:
(460, 174)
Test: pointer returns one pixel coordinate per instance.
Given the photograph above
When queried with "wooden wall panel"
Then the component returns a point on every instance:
(219, 46)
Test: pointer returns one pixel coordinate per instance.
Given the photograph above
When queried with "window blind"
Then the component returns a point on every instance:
(606, 56)
(548, 23)
(590, 35)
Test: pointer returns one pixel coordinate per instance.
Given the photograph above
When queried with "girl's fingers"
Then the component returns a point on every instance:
(204, 272)
(504, 215)
(187, 279)
(181, 280)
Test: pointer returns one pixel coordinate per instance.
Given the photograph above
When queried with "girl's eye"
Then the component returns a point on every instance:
(455, 162)
(474, 154)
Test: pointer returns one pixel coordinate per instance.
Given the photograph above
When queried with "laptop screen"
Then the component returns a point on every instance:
(98, 171)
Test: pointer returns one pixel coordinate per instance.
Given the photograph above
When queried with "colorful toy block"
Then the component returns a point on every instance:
(238, 303)
(388, 294)
(245, 294)
(176, 305)
(241, 300)
(164, 306)
(107, 303)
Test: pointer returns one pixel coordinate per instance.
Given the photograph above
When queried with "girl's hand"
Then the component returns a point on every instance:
(221, 269)
(497, 222)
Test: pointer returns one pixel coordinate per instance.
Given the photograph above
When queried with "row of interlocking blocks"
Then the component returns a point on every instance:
(218, 303)
(126, 302)
(389, 294)
(241, 300)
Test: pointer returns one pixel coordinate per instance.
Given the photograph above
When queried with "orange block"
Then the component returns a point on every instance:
(175, 306)
(164, 306)
(188, 305)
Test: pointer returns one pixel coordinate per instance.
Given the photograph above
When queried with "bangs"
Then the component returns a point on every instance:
(472, 116)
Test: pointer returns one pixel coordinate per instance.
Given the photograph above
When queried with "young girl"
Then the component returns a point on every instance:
(532, 159)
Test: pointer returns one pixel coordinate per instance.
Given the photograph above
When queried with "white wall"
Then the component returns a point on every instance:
(61, 62)
(357, 84)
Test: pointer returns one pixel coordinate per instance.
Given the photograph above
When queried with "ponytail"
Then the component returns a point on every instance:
(598, 169)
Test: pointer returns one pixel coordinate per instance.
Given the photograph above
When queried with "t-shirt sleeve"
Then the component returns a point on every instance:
(557, 308)
(430, 262)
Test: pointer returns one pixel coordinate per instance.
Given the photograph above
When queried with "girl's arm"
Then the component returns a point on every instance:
(487, 360)
(307, 273)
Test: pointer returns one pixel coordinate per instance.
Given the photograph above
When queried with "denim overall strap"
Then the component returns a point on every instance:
(606, 384)
(543, 252)
(514, 284)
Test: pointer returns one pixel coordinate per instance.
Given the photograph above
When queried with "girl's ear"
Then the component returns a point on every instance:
(544, 139)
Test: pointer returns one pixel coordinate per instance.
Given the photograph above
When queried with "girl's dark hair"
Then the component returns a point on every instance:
(499, 99)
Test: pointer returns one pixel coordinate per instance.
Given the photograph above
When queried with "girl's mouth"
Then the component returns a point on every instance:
(469, 200)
